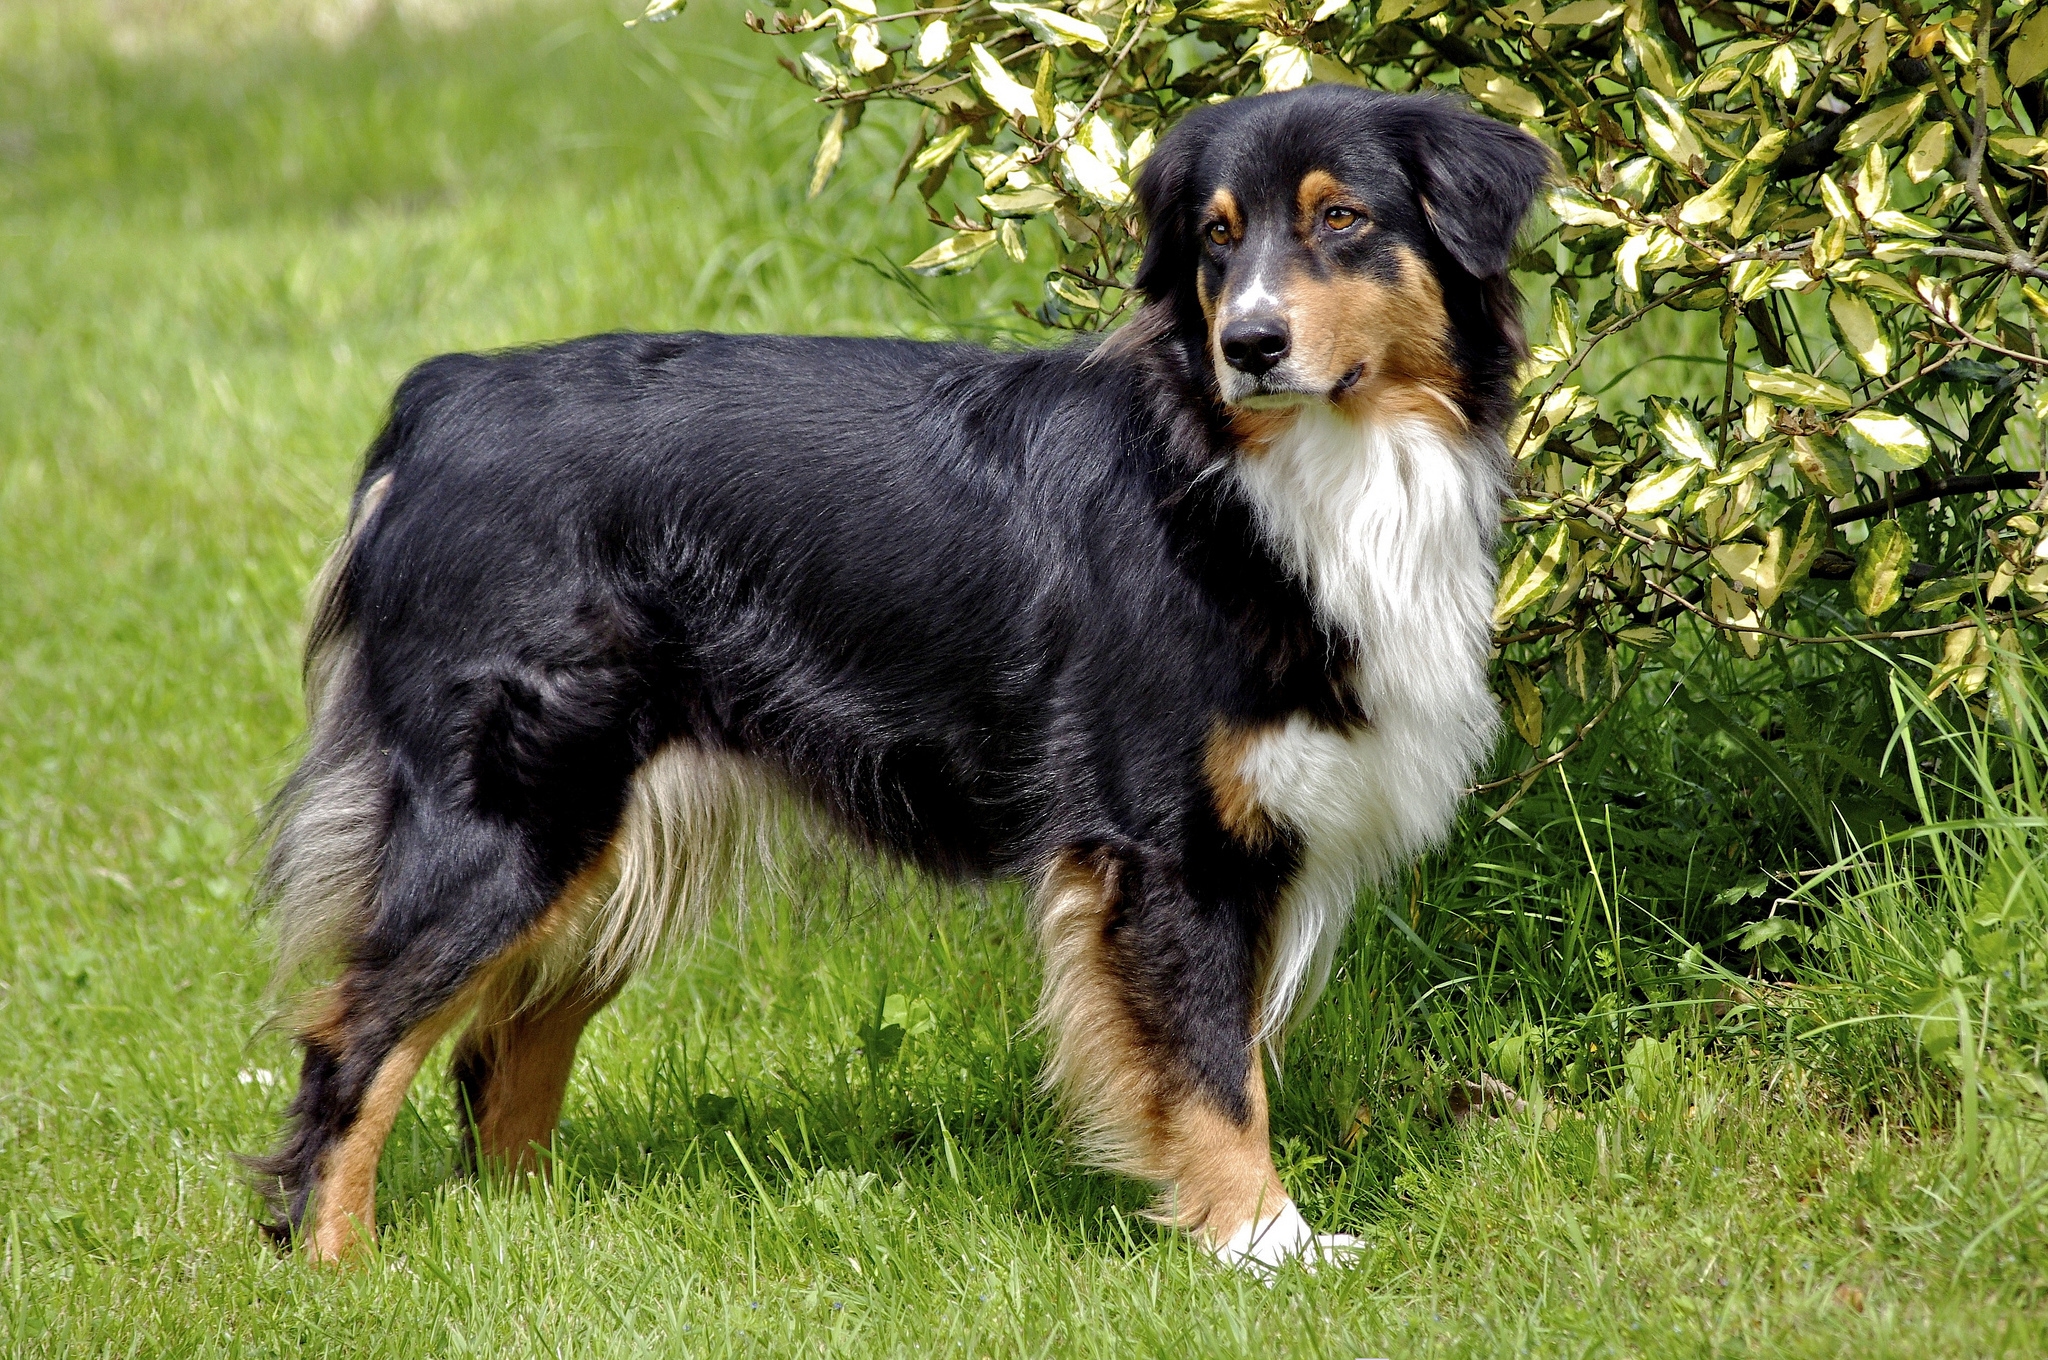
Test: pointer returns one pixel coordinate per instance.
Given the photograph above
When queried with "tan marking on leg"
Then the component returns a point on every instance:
(345, 1197)
(1223, 1174)
(1134, 1115)
(528, 1054)
(345, 1209)
(1235, 799)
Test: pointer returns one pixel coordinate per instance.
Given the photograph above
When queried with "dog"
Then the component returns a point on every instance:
(1188, 626)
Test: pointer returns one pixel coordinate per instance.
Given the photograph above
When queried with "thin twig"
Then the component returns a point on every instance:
(1559, 755)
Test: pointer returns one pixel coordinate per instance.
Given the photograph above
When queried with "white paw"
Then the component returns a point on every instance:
(1263, 1245)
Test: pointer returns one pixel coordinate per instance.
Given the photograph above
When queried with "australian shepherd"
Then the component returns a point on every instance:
(1187, 626)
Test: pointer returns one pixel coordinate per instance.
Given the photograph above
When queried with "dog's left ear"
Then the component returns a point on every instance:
(1476, 178)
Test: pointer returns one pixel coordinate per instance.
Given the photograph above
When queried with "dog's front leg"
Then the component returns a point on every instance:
(1149, 1001)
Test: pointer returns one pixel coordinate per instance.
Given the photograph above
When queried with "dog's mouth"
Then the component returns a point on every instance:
(1265, 395)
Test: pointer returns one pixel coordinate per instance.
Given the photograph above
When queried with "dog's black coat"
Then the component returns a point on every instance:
(981, 607)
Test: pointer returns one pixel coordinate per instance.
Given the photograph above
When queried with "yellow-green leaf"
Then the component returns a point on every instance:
(1732, 607)
(2016, 148)
(1581, 14)
(1051, 26)
(1577, 208)
(1497, 91)
(1883, 125)
(1666, 130)
(1646, 636)
(864, 48)
(1789, 552)
(1585, 657)
(1883, 442)
(1282, 65)
(1781, 71)
(1097, 179)
(2036, 300)
(1965, 663)
(1525, 706)
(1005, 91)
(1931, 151)
(1023, 203)
(1935, 594)
(1530, 575)
(933, 43)
(1705, 209)
(1793, 385)
(1836, 201)
(1824, 462)
(943, 150)
(954, 255)
(1236, 11)
(1905, 224)
(2027, 57)
(1881, 567)
(1755, 461)
(830, 147)
(1681, 433)
(1660, 490)
(1861, 334)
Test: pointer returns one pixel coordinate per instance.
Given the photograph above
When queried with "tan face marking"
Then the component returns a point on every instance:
(1318, 193)
(1386, 344)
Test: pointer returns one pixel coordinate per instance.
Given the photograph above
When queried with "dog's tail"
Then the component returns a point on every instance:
(326, 826)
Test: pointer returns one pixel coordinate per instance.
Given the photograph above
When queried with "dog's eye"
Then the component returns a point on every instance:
(1218, 233)
(1340, 219)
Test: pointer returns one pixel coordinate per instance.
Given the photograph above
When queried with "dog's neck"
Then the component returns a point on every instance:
(1389, 523)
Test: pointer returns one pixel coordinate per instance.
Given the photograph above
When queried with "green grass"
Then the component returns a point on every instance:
(217, 263)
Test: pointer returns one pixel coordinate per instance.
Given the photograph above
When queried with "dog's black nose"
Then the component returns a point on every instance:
(1253, 344)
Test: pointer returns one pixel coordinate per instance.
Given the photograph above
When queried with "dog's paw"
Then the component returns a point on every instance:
(1262, 1246)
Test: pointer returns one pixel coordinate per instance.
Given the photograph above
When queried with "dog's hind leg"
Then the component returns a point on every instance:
(459, 904)
(512, 1065)
(1150, 1002)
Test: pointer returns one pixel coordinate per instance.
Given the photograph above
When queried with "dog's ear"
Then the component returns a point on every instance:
(1163, 185)
(1476, 178)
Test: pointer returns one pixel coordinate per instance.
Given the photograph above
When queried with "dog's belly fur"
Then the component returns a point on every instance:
(1391, 527)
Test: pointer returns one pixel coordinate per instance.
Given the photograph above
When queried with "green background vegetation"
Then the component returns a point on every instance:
(220, 245)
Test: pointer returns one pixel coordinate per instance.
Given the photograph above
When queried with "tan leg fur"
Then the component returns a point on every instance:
(1134, 1115)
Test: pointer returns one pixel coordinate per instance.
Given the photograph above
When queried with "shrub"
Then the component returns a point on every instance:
(1841, 202)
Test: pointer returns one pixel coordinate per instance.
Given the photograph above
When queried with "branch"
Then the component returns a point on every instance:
(1833, 639)
(1980, 131)
(1936, 489)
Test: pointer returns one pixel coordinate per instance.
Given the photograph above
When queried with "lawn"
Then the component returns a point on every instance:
(223, 241)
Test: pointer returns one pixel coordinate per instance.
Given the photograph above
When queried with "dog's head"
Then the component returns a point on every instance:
(1341, 245)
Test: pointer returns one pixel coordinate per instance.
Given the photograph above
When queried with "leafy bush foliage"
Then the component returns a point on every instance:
(1843, 201)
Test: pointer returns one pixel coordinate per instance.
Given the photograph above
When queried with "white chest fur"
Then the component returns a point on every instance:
(1391, 528)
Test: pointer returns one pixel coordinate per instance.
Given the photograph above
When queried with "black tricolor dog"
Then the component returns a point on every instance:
(1188, 626)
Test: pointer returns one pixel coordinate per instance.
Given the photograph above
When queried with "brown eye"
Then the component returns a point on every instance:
(1340, 219)
(1219, 233)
